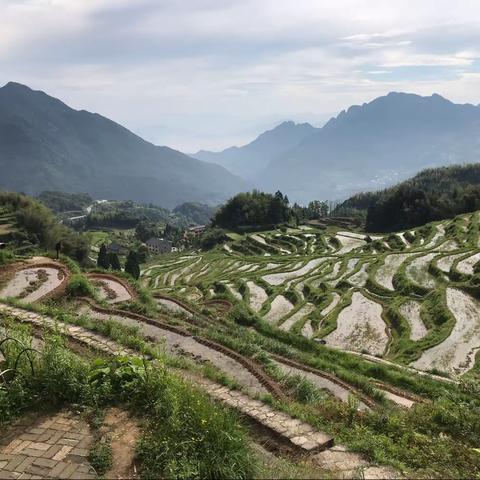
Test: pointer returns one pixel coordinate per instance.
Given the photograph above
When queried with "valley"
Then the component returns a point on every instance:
(308, 335)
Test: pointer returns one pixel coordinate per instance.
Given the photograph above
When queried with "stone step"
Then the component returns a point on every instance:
(300, 435)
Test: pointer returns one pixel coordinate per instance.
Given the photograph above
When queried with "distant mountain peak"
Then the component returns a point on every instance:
(248, 160)
(79, 151)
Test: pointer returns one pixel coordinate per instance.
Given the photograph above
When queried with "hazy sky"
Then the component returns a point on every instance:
(211, 73)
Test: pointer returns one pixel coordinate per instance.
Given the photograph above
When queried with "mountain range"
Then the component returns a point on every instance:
(249, 161)
(46, 145)
(365, 147)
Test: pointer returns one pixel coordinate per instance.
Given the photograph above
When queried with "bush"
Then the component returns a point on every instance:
(5, 256)
(100, 457)
(80, 286)
(239, 314)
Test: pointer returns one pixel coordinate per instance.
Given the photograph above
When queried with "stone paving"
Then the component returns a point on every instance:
(349, 465)
(298, 434)
(54, 446)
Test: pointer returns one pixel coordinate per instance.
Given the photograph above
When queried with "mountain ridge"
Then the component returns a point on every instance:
(80, 151)
(376, 144)
(250, 159)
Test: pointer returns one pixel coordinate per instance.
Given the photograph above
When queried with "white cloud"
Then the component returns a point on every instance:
(207, 73)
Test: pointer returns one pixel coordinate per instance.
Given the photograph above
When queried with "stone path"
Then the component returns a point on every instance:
(297, 432)
(55, 446)
(300, 435)
(351, 465)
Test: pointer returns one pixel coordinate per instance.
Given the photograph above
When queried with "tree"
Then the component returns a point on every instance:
(253, 208)
(314, 209)
(145, 230)
(324, 209)
(212, 237)
(131, 266)
(102, 259)
(114, 262)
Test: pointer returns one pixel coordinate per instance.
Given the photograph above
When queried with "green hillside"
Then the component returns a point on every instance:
(433, 194)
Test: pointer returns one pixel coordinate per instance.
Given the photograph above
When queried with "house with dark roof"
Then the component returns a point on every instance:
(159, 245)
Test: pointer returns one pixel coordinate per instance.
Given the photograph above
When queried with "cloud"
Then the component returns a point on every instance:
(205, 73)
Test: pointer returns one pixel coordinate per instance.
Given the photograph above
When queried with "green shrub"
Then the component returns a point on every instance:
(6, 256)
(100, 457)
(80, 286)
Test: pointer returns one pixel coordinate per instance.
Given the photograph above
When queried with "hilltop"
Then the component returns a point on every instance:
(83, 152)
(432, 194)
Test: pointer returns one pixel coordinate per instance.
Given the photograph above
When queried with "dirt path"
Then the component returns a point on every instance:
(123, 433)
(299, 435)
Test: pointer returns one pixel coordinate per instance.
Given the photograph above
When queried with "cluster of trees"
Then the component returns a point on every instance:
(264, 209)
(38, 225)
(210, 238)
(253, 208)
(65, 202)
(314, 210)
(110, 260)
(128, 214)
(433, 194)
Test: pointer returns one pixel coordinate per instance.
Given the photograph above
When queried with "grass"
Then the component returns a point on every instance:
(100, 456)
(431, 439)
(186, 435)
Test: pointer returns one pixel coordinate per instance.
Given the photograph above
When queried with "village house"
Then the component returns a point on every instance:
(159, 245)
(194, 231)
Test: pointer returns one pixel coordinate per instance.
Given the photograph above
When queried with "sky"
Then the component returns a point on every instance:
(208, 74)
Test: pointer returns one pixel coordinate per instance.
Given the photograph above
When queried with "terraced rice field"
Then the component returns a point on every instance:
(347, 289)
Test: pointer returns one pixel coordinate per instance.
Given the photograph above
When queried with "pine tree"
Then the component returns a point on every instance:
(131, 265)
(102, 259)
(114, 261)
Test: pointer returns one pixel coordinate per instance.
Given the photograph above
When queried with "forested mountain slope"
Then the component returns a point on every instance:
(433, 194)
(46, 145)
